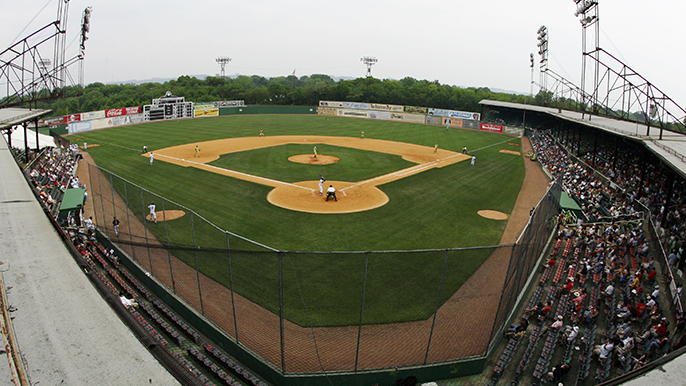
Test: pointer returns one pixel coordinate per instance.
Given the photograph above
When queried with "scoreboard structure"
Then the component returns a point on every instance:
(168, 107)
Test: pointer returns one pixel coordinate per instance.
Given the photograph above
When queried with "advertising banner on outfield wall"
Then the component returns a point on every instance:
(330, 104)
(384, 115)
(122, 111)
(117, 121)
(72, 118)
(213, 112)
(416, 110)
(219, 104)
(353, 113)
(452, 122)
(414, 118)
(76, 127)
(455, 114)
(89, 116)
(330, 111)
(433, 120)
(470, 124)
(356, 105)
(384, 107)
(513, 130)
(491, 127)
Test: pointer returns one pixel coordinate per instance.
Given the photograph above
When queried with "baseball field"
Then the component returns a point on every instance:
(396, 191)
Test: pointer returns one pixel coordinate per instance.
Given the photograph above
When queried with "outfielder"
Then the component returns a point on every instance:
(321, 185)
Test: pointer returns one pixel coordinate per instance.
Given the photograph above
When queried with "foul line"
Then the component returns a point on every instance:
(201, 165)
(404, 172)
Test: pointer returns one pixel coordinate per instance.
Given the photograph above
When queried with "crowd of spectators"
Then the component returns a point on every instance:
(53, 173)
(598, 201)
(642, 177)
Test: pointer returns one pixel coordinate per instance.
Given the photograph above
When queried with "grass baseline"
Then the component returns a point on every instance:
(436, 206)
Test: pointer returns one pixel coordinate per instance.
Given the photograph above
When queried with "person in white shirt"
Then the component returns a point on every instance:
(331, 193)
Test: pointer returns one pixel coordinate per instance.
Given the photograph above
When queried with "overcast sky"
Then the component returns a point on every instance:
(477, 43)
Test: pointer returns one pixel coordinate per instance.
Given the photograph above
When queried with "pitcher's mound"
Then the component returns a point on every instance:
(304, 197)
(492, 214)
(310, 160)
(166, 215)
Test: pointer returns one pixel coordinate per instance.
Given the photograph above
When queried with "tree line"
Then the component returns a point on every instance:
(284, 90)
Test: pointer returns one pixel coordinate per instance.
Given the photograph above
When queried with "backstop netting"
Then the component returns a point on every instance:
(313, 312)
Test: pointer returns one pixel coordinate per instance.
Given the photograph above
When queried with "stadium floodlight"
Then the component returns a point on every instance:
(583, 6)
(223, 61)
(369, 61)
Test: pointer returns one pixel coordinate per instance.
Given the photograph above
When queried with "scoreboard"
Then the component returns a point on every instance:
(168, 107)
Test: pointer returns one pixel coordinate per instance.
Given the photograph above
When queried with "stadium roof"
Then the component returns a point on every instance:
(671, 148)
(15, 116)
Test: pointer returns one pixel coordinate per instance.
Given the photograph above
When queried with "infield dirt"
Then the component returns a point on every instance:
(303, 196)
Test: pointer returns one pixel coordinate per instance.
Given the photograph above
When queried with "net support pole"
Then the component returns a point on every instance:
(233, 302)
(166, 236)
(359, 326)
(145, 227)
(197, 270)
(102, 201)
(114, 207)
(283, 353)
(128, 220)
(438, 303)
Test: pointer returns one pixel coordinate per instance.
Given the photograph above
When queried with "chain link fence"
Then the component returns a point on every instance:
(315, 312)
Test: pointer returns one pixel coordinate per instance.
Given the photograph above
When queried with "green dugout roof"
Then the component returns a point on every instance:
(72, 200)
(568, 203)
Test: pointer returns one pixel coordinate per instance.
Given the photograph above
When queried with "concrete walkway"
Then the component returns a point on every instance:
(65, 332)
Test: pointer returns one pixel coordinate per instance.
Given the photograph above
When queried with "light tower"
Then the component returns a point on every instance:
(85, 27)
(543, 52)
(587, 12)
(531, 65)
(369, 61)
(223, 61)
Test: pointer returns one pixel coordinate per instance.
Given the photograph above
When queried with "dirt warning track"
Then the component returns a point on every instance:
(304, 196)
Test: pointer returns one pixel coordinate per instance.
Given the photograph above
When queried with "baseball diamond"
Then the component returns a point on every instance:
(426, 199)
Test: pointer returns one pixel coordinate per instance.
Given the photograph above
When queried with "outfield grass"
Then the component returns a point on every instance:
(433, 209)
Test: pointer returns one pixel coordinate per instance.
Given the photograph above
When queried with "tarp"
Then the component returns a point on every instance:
(72, 200)
(18, 139)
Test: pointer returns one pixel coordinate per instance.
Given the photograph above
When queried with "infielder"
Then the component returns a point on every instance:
(321, 185)
(261, 133)
(151, 158)
(153, 215)
(436, 148)
(197, 152)
(145, 148)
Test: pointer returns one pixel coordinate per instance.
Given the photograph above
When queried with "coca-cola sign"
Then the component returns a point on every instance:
(122, 111)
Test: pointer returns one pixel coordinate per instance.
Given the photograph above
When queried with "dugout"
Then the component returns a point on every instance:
(72, 202)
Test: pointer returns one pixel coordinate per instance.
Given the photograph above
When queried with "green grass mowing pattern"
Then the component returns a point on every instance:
(354, 165)
(434, 209)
